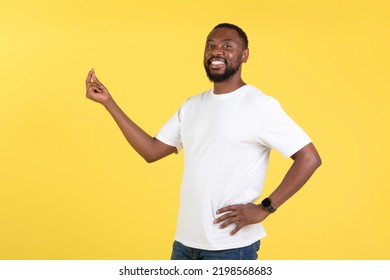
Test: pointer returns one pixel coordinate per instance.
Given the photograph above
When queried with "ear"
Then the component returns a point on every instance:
(245, 56)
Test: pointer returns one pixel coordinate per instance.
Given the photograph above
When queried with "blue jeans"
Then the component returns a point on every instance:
(182, 252)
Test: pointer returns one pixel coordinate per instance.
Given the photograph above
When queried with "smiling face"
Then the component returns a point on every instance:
(223, 55)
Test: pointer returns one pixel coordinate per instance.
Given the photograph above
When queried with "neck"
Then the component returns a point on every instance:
(228, 86)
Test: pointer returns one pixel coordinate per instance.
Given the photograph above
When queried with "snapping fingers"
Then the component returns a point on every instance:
(96, 80)
(89, 78)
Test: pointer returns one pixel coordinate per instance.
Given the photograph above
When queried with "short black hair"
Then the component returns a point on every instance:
(240, 32)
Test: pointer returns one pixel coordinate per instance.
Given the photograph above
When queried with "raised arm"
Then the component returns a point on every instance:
(151, 149)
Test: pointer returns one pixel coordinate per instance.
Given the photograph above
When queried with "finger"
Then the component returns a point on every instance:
(97, 89)
(229, 222)
(89, 77)
(236, 229)
(94, 89)
(228, 208)
(94, 83)
(225, 217)
(94, 86)
(96, 80)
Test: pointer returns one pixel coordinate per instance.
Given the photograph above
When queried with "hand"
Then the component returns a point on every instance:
(96, 91)
(241, 215)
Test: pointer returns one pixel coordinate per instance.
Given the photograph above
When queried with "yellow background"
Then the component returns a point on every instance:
(72, 188)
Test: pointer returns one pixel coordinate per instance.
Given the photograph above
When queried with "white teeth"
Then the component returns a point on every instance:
(217, 62)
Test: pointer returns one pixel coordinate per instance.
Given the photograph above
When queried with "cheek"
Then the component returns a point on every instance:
(206, 52)
(205, 56)
(236, 60)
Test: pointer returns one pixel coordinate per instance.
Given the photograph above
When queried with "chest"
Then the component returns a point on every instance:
(219, 123)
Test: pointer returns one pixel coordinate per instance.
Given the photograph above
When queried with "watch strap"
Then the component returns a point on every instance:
(267, 205)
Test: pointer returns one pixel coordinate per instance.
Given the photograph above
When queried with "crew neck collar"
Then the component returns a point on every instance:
(228, 94)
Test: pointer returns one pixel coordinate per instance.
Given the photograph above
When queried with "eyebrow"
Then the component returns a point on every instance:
(224, 40)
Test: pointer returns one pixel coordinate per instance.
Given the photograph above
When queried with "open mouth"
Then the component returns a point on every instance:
(217, 62)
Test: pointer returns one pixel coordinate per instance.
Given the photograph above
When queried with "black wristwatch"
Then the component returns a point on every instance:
(267, 205)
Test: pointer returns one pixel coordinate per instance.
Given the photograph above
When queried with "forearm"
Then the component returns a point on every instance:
(148, 147)
(305, 163)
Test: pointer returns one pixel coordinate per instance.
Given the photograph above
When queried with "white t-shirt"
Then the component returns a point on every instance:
(227, 140)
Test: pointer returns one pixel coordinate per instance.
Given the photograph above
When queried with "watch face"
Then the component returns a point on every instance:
(266, 202)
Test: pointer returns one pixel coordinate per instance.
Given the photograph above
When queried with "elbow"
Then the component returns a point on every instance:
(150, 159)
(314, 160)
(149, 154)
(317, 162)
(310, 156)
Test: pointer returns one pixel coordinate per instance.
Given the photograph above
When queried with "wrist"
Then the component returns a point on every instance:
(109, 103)
(266, 204)
(262, 214)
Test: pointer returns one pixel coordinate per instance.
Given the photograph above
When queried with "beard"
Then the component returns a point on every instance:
(230, 70)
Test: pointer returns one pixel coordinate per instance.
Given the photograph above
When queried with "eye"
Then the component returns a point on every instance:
(226, 46)
(209, 46)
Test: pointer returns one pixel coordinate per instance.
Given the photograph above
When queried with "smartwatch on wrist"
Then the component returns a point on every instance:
(267, 205)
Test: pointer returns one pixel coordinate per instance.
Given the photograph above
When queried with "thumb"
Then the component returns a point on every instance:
(95, 79)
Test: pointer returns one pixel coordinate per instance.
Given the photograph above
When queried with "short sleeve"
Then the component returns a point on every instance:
(170, 132)
(280, 132)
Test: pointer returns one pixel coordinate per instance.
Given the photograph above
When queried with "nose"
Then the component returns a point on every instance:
(217, 50)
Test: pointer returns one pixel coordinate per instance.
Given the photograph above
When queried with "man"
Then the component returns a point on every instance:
(227, 133)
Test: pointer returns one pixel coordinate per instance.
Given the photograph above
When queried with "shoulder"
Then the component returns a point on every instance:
(257, 98)
(193, 101)
(199, 96)
(196, 98)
